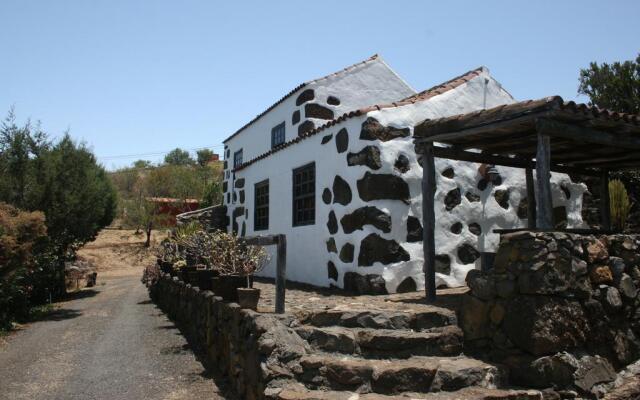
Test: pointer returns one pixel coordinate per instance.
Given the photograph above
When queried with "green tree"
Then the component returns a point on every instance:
(204, 156)
(613, 86)
(178, 156)
(142, 164)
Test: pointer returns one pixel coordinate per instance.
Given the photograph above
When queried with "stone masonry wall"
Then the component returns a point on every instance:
(255, 351)
(560, 310)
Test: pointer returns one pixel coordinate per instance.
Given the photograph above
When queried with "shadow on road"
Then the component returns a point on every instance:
(81, 294)
(60, 314)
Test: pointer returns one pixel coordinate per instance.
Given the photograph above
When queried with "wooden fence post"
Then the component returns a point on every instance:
(429, 221)
(281, 273)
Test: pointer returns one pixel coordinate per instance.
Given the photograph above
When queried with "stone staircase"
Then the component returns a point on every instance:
(376, 355)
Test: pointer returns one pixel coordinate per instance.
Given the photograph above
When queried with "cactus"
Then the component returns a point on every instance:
(619, 204)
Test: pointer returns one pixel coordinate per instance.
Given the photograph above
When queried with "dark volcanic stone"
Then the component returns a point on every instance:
(326, 196)
(305, 96)
(448, 173)
(239, 183)
(326, 139)
(295, 117)
(560, 217)
(475, 228)
(332, 271)
(407, 285)
(342, 140)
(482, 184)
(229, 197)
(332, 224)
(372, 130)
(452, 199)
(502, 198)
(414, 229)
(225, 186)
(402, 164)
(472, 197)
(369, 156)
(333, 100)
(373, 249)
(228, 153)
(364, 284)
(331, 246)
(313, 110)
(542, 325)
(523, 208)
(235, 196)
(341, 191)
(383, 187)
(241, 194)
(225, 164)
(368, 215)
(467, 254)
(306, 126)
(243, 232)
(456, 228)
(346, 253)
(443, 264)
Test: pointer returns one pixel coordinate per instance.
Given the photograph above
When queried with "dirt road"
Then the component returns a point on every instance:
(109, 342)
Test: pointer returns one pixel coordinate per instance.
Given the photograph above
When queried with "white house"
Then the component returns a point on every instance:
(332, 165)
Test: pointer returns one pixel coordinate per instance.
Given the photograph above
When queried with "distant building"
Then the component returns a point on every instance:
(172, 207)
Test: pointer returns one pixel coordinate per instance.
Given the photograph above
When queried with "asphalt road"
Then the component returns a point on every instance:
(108, 343)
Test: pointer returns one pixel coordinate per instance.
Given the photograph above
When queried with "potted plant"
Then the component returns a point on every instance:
(236, 262)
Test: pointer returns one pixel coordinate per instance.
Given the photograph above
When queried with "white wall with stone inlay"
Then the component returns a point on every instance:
(307, 255)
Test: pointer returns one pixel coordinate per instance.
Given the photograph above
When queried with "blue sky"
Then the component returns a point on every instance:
(135, 77)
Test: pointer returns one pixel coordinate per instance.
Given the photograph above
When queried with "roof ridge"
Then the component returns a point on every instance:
(297, 88)
(459, 80)
(433, 91)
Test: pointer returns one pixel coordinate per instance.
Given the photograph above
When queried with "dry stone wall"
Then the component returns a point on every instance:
(257, 352)
(561, 310)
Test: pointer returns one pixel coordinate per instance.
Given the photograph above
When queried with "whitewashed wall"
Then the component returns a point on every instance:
(307, 255)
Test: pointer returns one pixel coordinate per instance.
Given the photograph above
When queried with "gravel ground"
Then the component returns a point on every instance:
(111, 343)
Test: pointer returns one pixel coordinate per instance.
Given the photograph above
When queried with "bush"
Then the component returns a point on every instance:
(619, 204)
(23, 242)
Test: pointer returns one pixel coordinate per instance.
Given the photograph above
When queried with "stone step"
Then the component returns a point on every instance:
(298, 392)
(429, 317)
(416, 374)
(385, 343)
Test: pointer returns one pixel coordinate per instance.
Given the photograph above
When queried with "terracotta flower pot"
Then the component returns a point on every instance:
(248, 298)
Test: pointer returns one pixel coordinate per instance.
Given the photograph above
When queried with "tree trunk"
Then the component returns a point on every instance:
(148, 242)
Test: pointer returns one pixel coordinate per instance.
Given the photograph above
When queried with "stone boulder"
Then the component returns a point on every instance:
(368, 215)
(341, 191)
(374, 248)
(374, 130)
(369, 156)
(383, 187)
(364, 284)
(342, 140)
(543, 325)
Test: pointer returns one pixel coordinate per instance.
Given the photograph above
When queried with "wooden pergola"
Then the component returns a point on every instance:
(546, 135)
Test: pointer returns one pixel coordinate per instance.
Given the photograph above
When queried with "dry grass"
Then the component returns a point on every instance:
(120, 252)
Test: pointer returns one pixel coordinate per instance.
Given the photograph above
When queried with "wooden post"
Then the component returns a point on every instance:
(531, 199)
(281, 273)
(429, 221)
(605, 200)
(544, 211)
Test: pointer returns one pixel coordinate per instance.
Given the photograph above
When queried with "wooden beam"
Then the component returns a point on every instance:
(429, 221)
(586, 135)
(452, 153)
(531, 199)
(544, 212)
(281, 274)
(605, 209)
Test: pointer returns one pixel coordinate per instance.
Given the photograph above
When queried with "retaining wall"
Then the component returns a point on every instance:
(256, 351)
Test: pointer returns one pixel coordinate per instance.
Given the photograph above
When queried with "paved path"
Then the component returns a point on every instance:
(108, 343)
